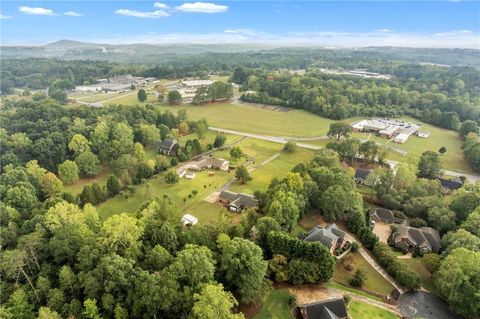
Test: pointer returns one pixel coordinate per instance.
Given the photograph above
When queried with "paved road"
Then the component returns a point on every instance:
(283, 140)
(422, 304)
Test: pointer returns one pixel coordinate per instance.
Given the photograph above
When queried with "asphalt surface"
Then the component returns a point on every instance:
(424, 305)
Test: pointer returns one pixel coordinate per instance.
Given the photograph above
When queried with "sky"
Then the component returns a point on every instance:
(450, 24)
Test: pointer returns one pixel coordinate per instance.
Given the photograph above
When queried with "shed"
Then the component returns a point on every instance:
(188, 219)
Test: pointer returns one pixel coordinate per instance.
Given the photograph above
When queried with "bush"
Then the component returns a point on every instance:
(194, 192)
(171, 176)
(292, 301)
(354, 247)
(358, 278)
(290, 147)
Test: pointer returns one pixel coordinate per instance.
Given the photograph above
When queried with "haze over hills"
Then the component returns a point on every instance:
(153, 53)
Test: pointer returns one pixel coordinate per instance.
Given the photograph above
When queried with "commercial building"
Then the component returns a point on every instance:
(399, 130)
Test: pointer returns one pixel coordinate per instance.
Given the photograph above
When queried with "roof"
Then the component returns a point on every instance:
(189, 219)
(362, 173)
(450, 184)
(325, 235)
(209, 161)
(385, 214)
(424, 236)
(168, 143)
(239, 199)
(329, 309)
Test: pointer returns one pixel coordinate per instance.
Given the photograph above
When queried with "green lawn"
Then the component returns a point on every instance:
(252, 119)
(77, 187)
(374, 281)
(338, 286)
(279, 167)
(195, 205)
(360, 310)
(416, 264)
(275, 305)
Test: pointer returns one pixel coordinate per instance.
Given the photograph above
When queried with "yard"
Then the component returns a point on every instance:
(275, 305)
(180, 193)
(279, 167)
(374, 281)
(416, 264)
(360, 310)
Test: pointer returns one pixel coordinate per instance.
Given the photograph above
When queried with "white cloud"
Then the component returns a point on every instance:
(202, 7)
(160, 5)
(72, 14)
(385, 30)
(3, 17)
(36, 11)
(142, 14)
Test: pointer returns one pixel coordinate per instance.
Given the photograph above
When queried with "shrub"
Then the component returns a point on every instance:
(358, 278)
(194, 192)
(292, 300)
(354, 247)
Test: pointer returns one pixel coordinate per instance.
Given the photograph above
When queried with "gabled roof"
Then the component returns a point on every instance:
(329, 309)
(424, 236)
(168, 143)
(362, 173)
(325, 235)
(239, 199)
(449, 184)
(386, 214)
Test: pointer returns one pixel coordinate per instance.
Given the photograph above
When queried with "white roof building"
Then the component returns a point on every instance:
(423, 134)
(196, 83)
(190, 175)
(188, 219)
(401, 138)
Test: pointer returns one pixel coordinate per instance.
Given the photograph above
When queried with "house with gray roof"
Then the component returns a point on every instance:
(325, 309)
(331, 236)
(386, 216)
(210, 162)
(237, 201)
(423, 239)
(169, 147)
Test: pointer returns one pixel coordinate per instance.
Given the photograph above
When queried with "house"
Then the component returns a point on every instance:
(326, 309)
(169, 146)
(423, 134)
(385, 216)
(210, 162)
(450, 185)
(330, 236)
(423, 239)
(188, 219)
(361, 175)
(237, 201)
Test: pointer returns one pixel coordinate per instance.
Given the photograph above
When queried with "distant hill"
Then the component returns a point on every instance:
(69, 44)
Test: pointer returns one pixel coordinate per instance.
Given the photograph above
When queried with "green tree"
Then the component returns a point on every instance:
(51, 184)
(174, 97)
(149, 134)
(442, 150)
(19, 305)
(458, 281)
(88, 164)
(461, 239)
(284, 209)
(142, 95)
(91, 310)
(441, 218)
(243, 267)
(339, 129)
(68, 172)
(122, 234)
(236, 152)
(113, 186)
(242, 175)
(47, 313)
(79, 144)
(290, 147)
(171, 176)
(432, 261)
(472, 223)
(358, 279)
(213, 302)
(220, 140)
(201, 129)
(326, 157)
(429, 165)
(467, 127)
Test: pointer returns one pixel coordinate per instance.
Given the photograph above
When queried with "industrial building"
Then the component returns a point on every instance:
(397, 130)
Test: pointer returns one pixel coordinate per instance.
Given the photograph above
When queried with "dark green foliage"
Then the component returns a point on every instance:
(142, 95)
(358, 278)
(429, 165)
(367, 237)
(220, 139)
(217, 91)
(174, 97)
(113, 186)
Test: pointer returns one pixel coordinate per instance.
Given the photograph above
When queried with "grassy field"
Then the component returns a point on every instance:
(77, 187)
(279, 167)
(416, 264)
(275, 305)
(177, 192)
(360, 310)
(374, 281)
(253, 119)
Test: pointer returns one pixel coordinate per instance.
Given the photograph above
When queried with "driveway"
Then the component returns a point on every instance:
(425, 305)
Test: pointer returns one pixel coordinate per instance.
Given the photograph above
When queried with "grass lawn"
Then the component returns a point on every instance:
(275, 305)
(360, 310)
(177, 192)
(77, 187)
(252, 119)
(338, 286)
(416, 264)
(374, 281)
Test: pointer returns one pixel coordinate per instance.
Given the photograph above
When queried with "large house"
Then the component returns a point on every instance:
(237, 201)
(210, 162)
(326, 309)
(169, 146)
(330, 236)
(386, 216)
(449, 185)
(423, 239)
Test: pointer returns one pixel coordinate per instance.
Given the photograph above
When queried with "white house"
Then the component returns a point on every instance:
(188, 219)
(190, 175)
(400, 138)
